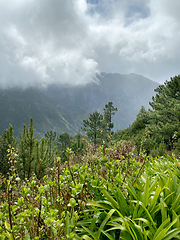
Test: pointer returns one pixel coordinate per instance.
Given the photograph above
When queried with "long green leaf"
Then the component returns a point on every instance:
(176, 202)
(154, 199)
(135, 212)
(174, 216)
(146, 222)
(131, 191)
(163, 210)
(107, 235)
(93, 222)
(137, 230)
(122, 202)
(161, 227)
(86, 237)
(145, 194)
(111, 200)
(172, 234)
(173, 223)
(90, 233)
(148, 214)
(104, 222)
(153, 185)
(168, 196)
(160, 235)
(127, 225)
(101, 204)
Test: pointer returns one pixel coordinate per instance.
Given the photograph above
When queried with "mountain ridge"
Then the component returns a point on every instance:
(62, 108)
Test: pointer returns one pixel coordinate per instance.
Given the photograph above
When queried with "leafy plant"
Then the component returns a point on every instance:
(149, 209)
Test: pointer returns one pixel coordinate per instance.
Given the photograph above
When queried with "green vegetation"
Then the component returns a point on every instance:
(156, 130)
(109, 112)
(111, 194)
(104, 185)
(93, 125)
(62, 108)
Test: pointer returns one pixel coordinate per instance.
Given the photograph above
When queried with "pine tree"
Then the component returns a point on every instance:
(92, 126)
(109, 112)
(51, 136)
(42, 157)
(63, 141)
(26, 145)
(7, 140)
(165, 116)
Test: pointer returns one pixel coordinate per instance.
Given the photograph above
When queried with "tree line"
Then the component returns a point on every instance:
(157, 130)
(154, 132)
(32, 155)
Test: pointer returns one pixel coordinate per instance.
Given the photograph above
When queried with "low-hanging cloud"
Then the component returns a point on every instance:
(57, 41)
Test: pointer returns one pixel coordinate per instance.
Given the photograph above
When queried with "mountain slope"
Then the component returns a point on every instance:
(17, 106)
(127, 92)
(62, 108)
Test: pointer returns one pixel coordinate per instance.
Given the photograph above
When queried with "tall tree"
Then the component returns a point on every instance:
(109, 112)
(165, 116)
(142, 120)
(42, 157)
(26, 155)
(93, 125)
(6, 140)
(51, 136)
(63, 141)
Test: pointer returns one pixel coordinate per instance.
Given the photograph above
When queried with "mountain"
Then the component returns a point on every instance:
(127, 92)
(17, 106)
(62, 108)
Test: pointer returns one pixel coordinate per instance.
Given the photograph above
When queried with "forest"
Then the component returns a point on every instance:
(98, 184)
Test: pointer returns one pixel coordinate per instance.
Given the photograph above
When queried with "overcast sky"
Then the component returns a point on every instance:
(70, 41)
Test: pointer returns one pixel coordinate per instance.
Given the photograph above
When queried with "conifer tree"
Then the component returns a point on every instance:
(42, 157)
(63, 141)
(51, 136)
(165, 116)
(93, 125)
(6, 140)
(109, 112)
(26, 155)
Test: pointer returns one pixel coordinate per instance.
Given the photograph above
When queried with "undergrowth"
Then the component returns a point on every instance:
(110, 193)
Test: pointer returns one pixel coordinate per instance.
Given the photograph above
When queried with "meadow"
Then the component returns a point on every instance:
(103, 193)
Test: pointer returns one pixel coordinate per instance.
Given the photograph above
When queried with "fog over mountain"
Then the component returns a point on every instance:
(45, 42)
(62, 108)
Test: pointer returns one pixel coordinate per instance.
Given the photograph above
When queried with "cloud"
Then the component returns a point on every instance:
(44, 42)
(57, 41)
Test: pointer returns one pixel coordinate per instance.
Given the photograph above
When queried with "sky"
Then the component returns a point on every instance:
(71, 41)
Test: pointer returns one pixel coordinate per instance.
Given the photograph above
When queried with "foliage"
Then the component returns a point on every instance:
(166, 107)
(98, 127)
(109, 112)
(162, 122)
(78, 145)
(63, 141)
(51, 207)
(26, 147)
(5, 140)
(51, 136)
(146, 209)
(113, 193)
(92, 126)
(107, 192)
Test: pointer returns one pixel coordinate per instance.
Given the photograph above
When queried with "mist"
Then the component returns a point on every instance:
(44, 42)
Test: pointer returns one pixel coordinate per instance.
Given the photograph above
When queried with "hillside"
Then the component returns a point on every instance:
(62, 108)
(18, 106)
(127, 92)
